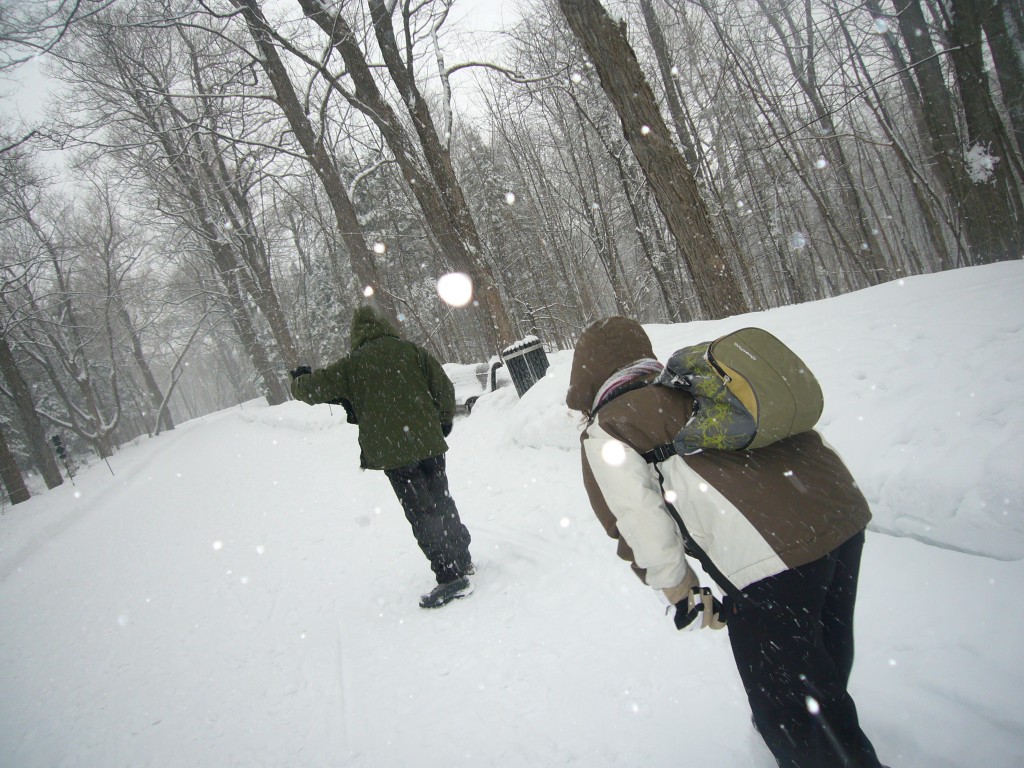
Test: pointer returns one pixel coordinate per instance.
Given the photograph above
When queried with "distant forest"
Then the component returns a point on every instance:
(218, 184)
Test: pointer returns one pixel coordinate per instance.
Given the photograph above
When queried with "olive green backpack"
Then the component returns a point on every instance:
(750, 390)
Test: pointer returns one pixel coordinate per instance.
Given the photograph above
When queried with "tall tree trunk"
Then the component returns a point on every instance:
(595, 211)
(801, 58)
(74, 357)
(11, 475)
(320, 159)
(225, 188)
(182, 167)
(157, 401)
(672, 299)
(439, 196)
(903, 70)
(672, 181)
(1003, 23)
(668, 82)
(1003, 236)
(273, 388)
(925, 198)
(32, 426)
(528, 163)
(968, 200)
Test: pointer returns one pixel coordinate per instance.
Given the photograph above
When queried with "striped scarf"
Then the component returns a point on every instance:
(633, 376)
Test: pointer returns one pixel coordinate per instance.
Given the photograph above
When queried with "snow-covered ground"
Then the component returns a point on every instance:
(237, 593)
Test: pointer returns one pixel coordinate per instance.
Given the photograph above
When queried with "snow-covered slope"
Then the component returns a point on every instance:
(238, 593)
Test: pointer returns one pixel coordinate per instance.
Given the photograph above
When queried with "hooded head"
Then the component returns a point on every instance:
(603, 348)
(367, 324)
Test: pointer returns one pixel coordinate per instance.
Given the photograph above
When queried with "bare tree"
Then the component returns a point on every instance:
(32, 29)
(116, 249)
(671, 180)
(201, 177)
(317, 154)
(1003, 23)
(32, 426)
(986, 139)
(10, 474)
(974, 200)
(425, 162)
(75, 353)
(18, 268)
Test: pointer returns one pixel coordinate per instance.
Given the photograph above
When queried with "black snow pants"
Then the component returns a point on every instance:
(422, 488)
(794, 649)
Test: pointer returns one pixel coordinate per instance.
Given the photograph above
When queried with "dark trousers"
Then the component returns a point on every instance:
(794, 649)
(422, 488)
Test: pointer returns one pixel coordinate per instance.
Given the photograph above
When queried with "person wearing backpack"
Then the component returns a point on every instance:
(780, 528)
(404, 403)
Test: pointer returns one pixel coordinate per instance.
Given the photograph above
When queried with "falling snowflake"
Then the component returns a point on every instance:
(614, 453)
(455, 289)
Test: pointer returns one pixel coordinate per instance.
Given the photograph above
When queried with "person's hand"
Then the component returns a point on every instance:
(446, 428)
(302, 370)
(699, 604)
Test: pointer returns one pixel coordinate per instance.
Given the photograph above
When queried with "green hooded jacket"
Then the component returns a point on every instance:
(399, 393)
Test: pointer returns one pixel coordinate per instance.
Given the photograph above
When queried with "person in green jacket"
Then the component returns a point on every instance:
(404, 403)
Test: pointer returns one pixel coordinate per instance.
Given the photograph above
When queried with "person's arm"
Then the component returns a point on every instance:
(442, 391)
(627, 498)
(323, 385)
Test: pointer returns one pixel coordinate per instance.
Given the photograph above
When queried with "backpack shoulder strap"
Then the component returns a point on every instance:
(694, 550)
(620, 390)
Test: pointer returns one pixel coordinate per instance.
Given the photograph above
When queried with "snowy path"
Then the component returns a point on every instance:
(240, 594)
(268, 618)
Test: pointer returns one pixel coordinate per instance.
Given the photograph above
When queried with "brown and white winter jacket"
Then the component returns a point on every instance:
(755, 513)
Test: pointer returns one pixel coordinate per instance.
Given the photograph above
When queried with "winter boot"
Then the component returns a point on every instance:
(443, 594)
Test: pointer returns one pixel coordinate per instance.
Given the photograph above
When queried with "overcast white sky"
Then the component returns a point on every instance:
(486, 15)
(22, 94)
(25, 93)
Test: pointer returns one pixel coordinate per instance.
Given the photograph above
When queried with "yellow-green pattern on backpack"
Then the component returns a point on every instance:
(720, 421)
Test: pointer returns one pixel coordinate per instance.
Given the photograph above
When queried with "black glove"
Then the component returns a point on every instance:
(700, 602)
(302, 370)
(446, 428)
